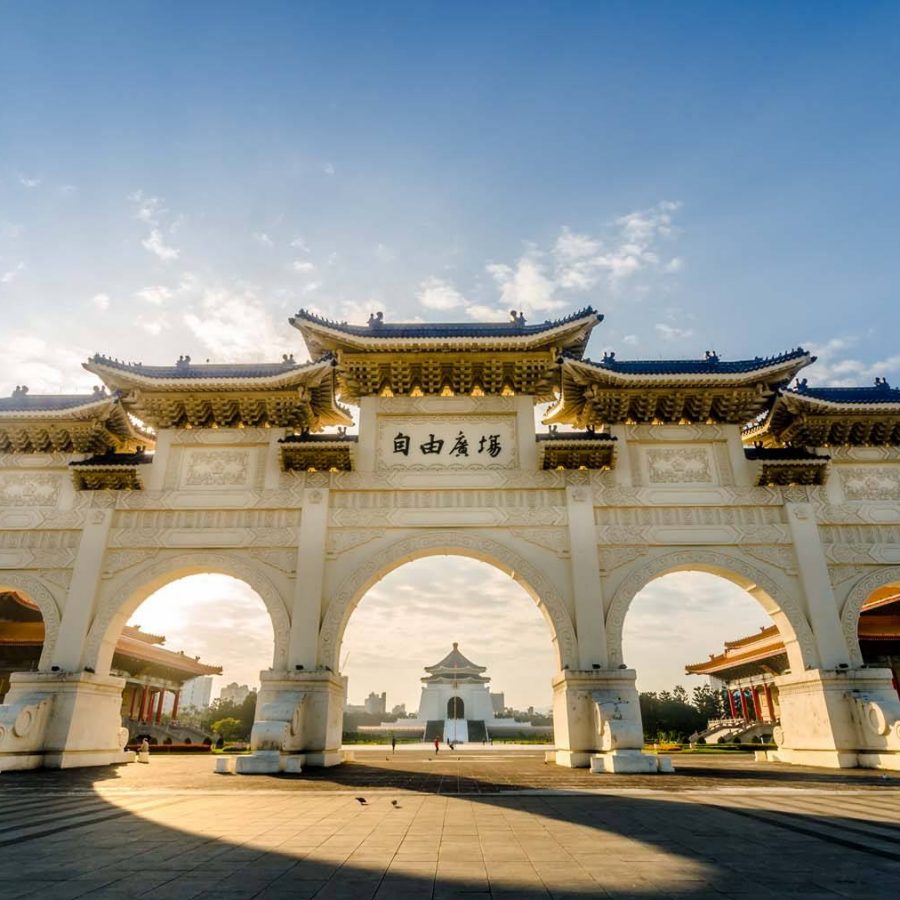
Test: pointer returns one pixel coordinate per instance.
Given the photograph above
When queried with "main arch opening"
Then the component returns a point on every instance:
(448, 648)
(22, 636)
(191, 654)
(708, 646)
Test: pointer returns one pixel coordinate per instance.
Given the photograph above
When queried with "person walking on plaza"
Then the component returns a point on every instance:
(437, 745)
(393, 743)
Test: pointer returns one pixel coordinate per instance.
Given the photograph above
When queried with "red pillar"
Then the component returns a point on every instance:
(175, 706)
(770, 703)
(134, 696)
(756, 707)
(159, 707)
(731, 703)
(142, 715)
(744, 711)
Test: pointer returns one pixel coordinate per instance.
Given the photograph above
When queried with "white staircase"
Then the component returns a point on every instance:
(456, 730)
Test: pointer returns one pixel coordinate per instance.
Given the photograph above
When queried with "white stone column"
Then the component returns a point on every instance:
(155, 473)
(525, 433)
(79, 607)
(307, 606)
(586, 587)
(821, 605)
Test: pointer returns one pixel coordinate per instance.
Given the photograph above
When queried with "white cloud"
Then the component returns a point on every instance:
(300, 244)
(541, 280)
(155, 243)
(671, 333)
(25, 181)
(101, 301)
(68, 190)
(233, 323)
(262, 238)
(45, 366)
(151, 212)
(157, 294)
(525, 286)
(482, 313)
(155, 325)
(11, 274)
(630, 339)
(303, 266)
(435, 293)
(834, 366)
(328, 168)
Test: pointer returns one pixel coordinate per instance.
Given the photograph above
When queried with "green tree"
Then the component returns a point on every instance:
(229, 728)
(707, 702)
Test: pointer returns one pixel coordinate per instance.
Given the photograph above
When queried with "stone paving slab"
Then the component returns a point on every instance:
(170, 830)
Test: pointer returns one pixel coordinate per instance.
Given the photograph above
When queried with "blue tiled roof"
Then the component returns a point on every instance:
(24, 402)
(115, 459)
(319, 438)
(880, 392)
(711, 365)
(185, 369)
(575, 436)
(783, 454)
(379, 328)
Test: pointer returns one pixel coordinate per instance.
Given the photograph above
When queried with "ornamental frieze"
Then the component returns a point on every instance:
(668, 465)
(35, 490)
(704, 515)
(870, 482)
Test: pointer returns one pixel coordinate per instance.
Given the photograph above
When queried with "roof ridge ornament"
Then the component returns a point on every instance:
(20, 390)
(882, 383)
(801, 384)
(713, 357)
(376, 319)
(517, 317)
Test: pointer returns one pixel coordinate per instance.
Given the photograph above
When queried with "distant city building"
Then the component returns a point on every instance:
(197, 693)
(234, 693)
(498, 702)
(399, 711)
(376, 704)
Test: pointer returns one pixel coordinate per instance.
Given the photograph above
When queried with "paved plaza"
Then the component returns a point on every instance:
(498, 823)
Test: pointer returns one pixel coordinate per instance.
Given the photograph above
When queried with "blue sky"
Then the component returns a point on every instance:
(179, 178)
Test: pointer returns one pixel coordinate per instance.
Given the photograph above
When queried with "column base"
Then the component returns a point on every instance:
(62, 720)
(573, 759)
(262, 762)
(628, 762)
(838, 719)
(596, 715)
(823, 759)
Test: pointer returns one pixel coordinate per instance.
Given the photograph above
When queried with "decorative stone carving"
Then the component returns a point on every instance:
(556, 540)
(679, 465)
(781, 557)
(216, 468)
(612, 557)
(724, 564)
(859, 593)
(37, 489)
(338, 542)
(870, 482)
(351, 591)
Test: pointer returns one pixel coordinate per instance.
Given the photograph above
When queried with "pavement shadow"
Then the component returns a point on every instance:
(72, 843)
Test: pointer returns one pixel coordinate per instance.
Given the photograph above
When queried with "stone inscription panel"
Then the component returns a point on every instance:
(33, 490)
(447, 442)
(679, 465)
(870, 482)
(225, 468)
